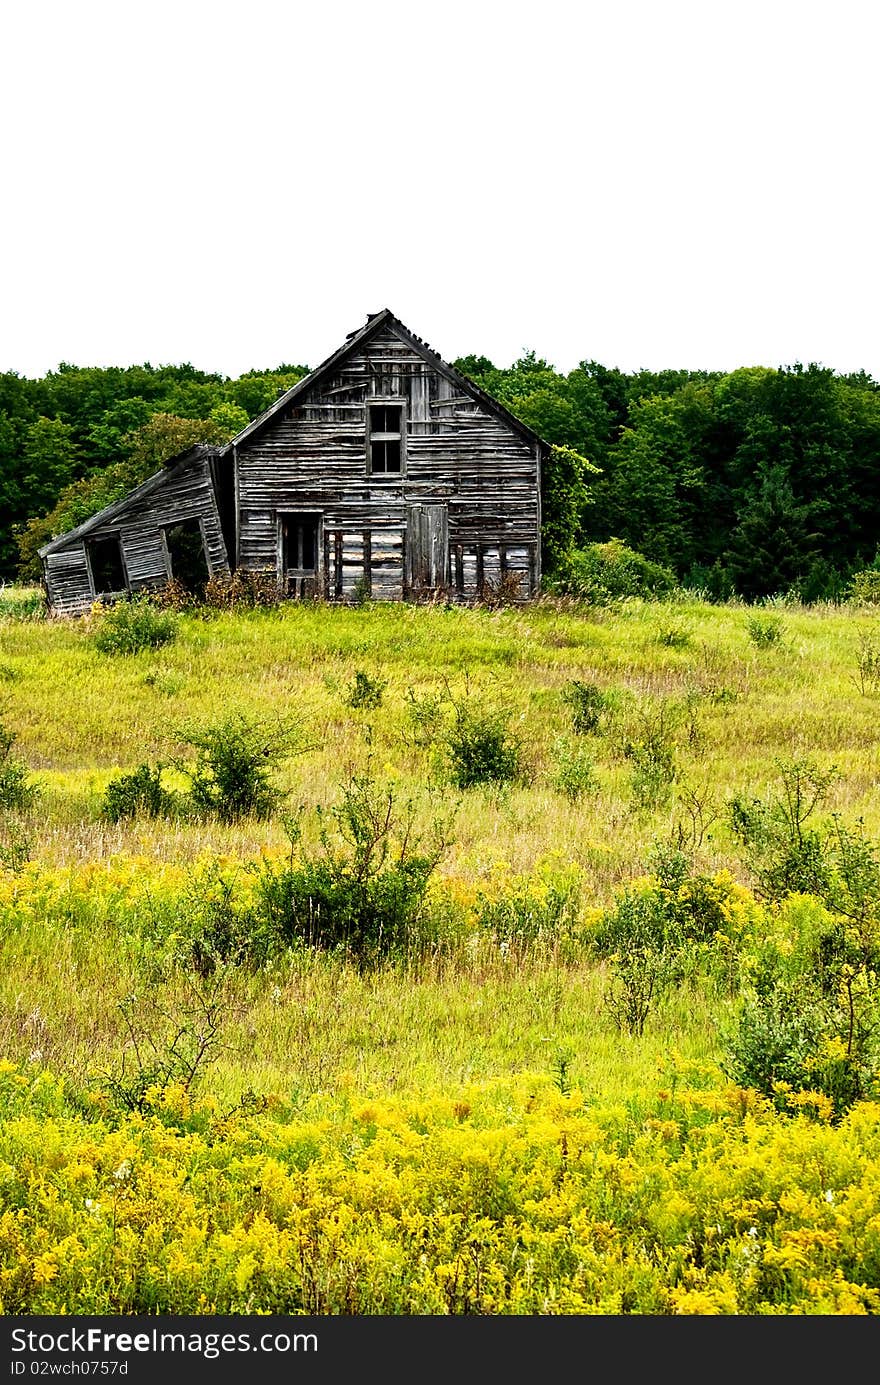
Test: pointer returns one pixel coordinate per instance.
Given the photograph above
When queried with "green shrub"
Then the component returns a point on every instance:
(587, 703)
(765, 630)
(574, 773)
(481, 748)
(772, 1043)
(808, 1022)
(651, 747)
(361, 592)
(867, 675)
(864, 587)
(17, 792)
(138, 794)
(656, 933)
(363, 891)
(16, 843)
(364, 691)
(606, 572)
(784, 851)
(214, 927)
(674, 637)
(235, 759)
(164, 680)
(133, 625)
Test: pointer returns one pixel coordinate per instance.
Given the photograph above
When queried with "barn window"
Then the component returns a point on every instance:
(105, 565)
(384, 438)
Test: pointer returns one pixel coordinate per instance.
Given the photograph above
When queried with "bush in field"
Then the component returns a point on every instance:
(480, 746)
(810, 1020)
(806, 1030)
(586, 702)
(606, 572)
(133, 625)
(867, 674)
(16, 790)
(574, 773)
(658, 931)
(138, 794)
(651, 747)
(364, 691)
(864, 589)
(235, 761)
(363, 891)
(783, 847)
(765, 631)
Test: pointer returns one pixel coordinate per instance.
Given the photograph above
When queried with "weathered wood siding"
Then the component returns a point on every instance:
(184, 492)
(457, 453)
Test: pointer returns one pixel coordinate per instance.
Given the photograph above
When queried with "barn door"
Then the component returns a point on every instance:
(298, 537)
(427, 546)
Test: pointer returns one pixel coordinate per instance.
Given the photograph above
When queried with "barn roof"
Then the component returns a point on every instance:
(352, 342)
(109, 512)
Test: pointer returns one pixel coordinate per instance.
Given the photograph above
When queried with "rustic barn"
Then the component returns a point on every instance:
(384, 472)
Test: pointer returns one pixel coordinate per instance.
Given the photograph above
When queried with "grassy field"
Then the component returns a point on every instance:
(401, 1106)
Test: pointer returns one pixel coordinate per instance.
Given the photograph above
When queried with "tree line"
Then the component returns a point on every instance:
(753, 482)
(80, 438)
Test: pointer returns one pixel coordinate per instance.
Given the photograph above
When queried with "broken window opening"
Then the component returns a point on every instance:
(187, 559)
(106, 566)
(385, 439)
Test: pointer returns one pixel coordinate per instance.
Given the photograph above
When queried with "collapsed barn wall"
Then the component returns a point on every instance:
(80, 568)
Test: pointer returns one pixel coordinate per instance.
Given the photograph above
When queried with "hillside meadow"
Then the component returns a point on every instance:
(501, 1068)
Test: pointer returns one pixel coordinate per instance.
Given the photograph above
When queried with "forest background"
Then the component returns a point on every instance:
(751, 483)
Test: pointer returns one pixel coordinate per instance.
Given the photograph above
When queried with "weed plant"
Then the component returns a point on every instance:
(128, 627)
(139, 794)
(232, 775)
(18, 791)
(586, 703)
(765, 630)
(365, 691)
(574, 773)
(482, 748)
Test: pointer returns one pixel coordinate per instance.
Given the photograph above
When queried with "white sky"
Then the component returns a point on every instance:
(236, 185)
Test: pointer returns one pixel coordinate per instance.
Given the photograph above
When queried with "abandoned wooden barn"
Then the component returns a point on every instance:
(384, 472)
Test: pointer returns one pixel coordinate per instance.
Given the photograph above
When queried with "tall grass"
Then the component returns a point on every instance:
(81, 717)
(96, 956)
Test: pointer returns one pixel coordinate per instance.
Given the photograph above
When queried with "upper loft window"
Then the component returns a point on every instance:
(385, 439)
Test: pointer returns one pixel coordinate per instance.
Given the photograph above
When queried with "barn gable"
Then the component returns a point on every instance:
(383, 472)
